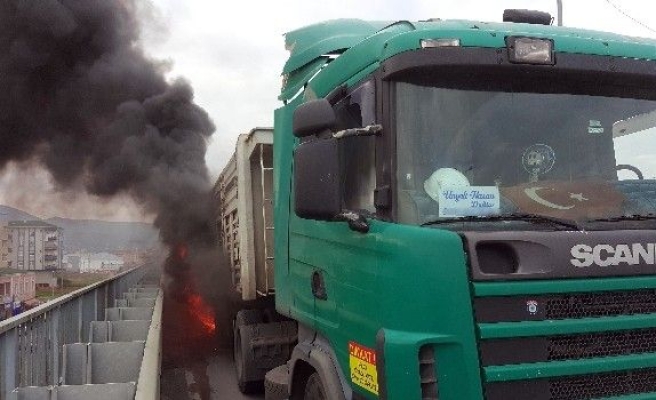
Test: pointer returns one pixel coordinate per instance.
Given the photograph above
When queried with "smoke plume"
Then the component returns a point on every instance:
(80, 98)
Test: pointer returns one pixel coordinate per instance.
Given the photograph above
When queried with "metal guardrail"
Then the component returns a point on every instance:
(31, 342)
(148, 387)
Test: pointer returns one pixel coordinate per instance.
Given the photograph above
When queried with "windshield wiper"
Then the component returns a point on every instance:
(633, 217)
(534, 218)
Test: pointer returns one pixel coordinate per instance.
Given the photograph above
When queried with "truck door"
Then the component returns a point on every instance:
(328, 254)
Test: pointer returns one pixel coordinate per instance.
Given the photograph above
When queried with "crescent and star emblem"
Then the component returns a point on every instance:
(532, 193)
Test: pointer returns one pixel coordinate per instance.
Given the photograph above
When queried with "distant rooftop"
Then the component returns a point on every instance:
(9, 271)
(32, 224)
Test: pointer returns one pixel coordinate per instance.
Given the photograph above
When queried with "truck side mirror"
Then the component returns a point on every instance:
(313, 117)
(317, 177)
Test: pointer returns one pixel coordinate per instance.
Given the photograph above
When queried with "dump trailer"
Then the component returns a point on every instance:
(263, 339)
(462, 210)
(244, 191)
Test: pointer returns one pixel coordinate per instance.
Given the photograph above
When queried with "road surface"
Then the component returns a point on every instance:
(196, 358)
(210, 379)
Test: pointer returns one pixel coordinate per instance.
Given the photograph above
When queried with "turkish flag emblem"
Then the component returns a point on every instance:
(571, 200)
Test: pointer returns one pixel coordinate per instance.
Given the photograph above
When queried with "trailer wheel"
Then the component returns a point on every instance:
(314, 388)
(244, 361)
(248, 317)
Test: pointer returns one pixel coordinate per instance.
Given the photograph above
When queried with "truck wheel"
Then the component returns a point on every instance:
(248, 317)
(241, 338)
(276, 383)
(314, 388)
(270, 315)
(244, 361)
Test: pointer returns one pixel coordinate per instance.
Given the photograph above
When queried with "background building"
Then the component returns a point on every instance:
(34, 245)
(100, 262)
(72, 262)
(5, 248)
(20, 286)
(132, 257)
(16, 289)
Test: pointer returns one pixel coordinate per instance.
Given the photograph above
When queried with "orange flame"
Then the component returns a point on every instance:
(202, 312)
(181, 251)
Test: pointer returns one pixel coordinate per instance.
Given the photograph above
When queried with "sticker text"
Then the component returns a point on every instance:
(362, 362)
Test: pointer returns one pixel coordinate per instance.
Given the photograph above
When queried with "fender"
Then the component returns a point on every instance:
(317, 351)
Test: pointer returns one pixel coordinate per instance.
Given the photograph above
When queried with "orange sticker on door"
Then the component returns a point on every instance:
(362, 361)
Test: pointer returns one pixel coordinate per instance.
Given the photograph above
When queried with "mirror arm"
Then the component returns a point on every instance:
(356, 221)
(369, 130)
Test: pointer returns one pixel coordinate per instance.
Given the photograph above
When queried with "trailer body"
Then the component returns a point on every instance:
(244, 218)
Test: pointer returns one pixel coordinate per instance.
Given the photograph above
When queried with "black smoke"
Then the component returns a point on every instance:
(79, 97)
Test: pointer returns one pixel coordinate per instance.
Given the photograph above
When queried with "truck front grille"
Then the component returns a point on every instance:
(564, 306)
(576, 388)
(582, 305)
(513, 337)
(567, 347)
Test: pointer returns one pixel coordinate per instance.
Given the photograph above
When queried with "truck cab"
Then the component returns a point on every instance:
(466, 210)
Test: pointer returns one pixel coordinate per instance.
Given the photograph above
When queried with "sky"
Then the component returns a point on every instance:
(233, 55)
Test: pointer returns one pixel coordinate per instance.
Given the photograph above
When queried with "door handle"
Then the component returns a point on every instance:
(319, 285)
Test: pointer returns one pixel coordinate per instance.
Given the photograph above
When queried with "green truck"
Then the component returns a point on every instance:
(455, 210)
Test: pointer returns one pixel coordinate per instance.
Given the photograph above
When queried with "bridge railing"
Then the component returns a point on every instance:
(31, 342)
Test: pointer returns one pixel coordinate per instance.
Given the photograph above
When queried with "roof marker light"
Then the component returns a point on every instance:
(430, 43)
(525, 50)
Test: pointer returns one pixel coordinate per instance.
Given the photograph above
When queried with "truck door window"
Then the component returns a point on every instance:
(358, 153)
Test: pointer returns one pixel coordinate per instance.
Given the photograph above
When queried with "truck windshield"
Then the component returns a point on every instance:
(475, 153)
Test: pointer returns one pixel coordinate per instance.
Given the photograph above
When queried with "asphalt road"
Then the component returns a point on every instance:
(196, 360)
(203, 379)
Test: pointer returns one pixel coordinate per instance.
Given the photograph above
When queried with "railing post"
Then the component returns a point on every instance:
(80, 317)
(9, 346)
(95, 307)
(55, 345)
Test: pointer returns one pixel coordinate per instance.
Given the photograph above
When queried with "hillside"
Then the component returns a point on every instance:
(96, 236)
(13, 214)
(92, 235)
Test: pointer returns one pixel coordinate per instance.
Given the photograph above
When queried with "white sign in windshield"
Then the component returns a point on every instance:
(458, 201)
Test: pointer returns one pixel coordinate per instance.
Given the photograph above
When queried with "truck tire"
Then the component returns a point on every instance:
(276, 383)
(248, 317)
(271, 315)
(244, 361)
(314, 388)
(260, 347)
